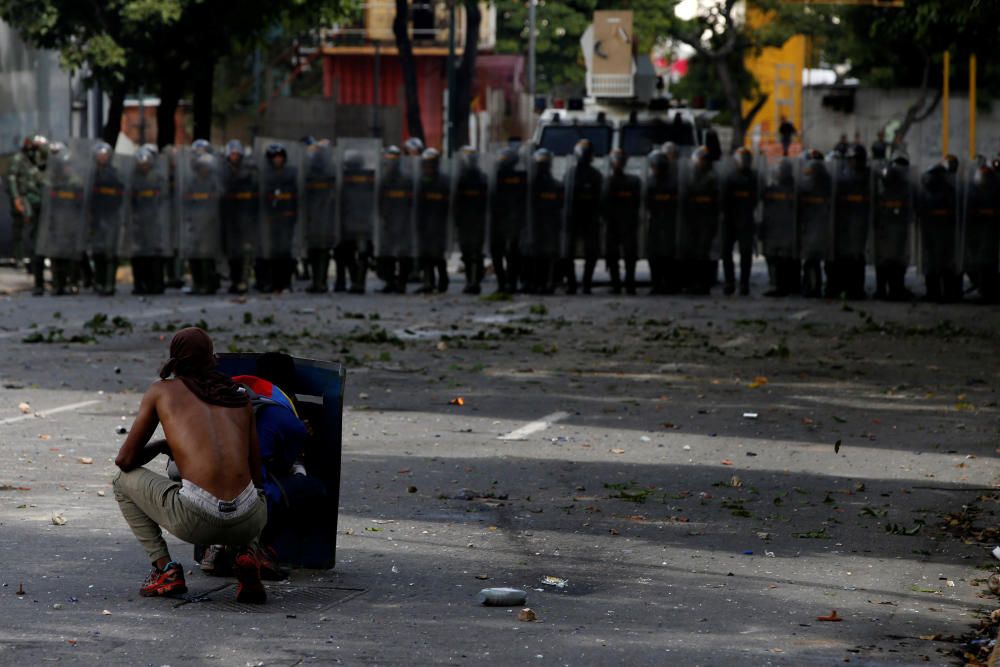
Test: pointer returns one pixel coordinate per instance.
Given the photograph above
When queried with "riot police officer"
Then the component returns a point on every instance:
(432, 196)
(239, 214)
(621, 205)
(938, 218)
(107, 207)
(814, 218)
(739, 205)
(699, 223)
(982, 232)
(851, 209)
(279, 218)
(395, 241)
(24, 185)
(582, 220)
(470, 207)
(507, 207)
(661, 208)
(779, 233)
(893, 213)
(540, 237)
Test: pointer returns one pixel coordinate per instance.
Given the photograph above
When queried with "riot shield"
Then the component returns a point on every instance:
(544, 230)
(778, 232)
(280, 213)
(815, 210)
(508, 196)
(431, 209)
(893, 214)
(739, 196)
(239, 207)
(662, 201)
(395, 237)
(147, 229)
(938, 221)
(106, 221)
(358, 162)
(581, 232)
(469, 198)
(199, 195)
(62, 225)
(851, 210)
(981, 228)
(700, 212)
(320, 197)
(621, 207)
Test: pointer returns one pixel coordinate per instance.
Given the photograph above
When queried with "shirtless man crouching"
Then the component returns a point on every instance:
(210, 432)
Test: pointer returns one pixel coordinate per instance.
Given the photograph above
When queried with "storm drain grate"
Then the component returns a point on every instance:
(281, 599)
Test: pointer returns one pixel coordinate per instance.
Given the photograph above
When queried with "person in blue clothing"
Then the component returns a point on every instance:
(283, 437)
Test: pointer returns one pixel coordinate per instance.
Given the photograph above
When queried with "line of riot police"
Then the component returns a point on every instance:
(818, 221)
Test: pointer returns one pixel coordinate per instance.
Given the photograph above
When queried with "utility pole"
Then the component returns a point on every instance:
(450, 120)
(531, 51)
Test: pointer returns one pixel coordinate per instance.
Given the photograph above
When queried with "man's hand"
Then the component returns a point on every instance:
(19, 205)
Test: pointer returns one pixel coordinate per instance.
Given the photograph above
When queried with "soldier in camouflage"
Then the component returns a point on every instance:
(24, 184)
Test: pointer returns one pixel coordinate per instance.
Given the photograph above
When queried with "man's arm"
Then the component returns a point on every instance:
(253, 458)
(132, 454)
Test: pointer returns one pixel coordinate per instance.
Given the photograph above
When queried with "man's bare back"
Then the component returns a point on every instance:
(215, 447)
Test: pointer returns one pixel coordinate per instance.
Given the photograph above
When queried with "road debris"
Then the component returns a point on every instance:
(85, 460)
(832, 618)
(25, 408)
(502, 597)
(527, 615)
(58, 520)
(459, 401)
(557, 582)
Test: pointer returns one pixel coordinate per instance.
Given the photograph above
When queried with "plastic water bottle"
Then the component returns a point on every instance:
(502, 597)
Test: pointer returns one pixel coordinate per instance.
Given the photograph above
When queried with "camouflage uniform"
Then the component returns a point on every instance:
(24, 182)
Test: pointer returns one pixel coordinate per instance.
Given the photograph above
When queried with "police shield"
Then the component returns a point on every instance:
(319, 197)
(892, 213)
(543, 232)
(508, 192)
(107, 201)
(147, 209)
(470, 191)
(279, 168)
(358, 161)
(395, 237)
(240, 202)
(938, 220)
(581, 231)
(851, 208)
(981, 229)
(815, 209)
(700, 210)
(198, 197)
(662, 201)
(621, 210)
(431, 208)
(739, 198)
(62, 229)
(778, 231)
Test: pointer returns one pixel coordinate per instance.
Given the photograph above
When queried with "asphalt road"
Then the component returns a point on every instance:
(673, 459)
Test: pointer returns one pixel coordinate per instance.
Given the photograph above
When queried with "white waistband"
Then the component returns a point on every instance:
(220, 509)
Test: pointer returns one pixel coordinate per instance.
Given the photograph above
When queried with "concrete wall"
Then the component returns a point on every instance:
(875, 108)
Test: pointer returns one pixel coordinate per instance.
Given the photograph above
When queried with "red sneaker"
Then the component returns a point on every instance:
(168, 581)
(269, 568)
(249, 588)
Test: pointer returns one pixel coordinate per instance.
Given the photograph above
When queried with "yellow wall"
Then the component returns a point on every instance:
(765, 68)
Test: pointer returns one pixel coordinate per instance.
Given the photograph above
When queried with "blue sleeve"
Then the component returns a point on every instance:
(282, 437)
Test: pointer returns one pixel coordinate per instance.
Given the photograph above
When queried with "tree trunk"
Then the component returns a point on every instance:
(414, 124)
(748, 120)
(170, 97)
(733, 102)
(916, 112)
(201, 102)
(466, 75)
(113, 124)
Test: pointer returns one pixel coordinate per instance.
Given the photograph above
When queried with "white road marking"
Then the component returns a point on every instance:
(47, 413)
(535, 426)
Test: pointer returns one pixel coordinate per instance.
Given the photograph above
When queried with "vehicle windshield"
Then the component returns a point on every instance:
(560, 139)
(641, 139)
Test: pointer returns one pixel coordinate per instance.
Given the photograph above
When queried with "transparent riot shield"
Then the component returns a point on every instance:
(508, 210)
(62, 225)
(280, 228)
(662, 200)
(395, 236)
(980, 229)
(815, 209)
(544, 231)
(852, 210)
(358, 164)
(638, 166)
(699, 221)
(581, 232)
(621, 210)
(893, 214)
(106, 218)
(739, 204)
(778, 231)
(431, 209)
(199, 197)
(147, 208)
(319, 199)
(938, 218)
(240, 206)
(469, 203)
